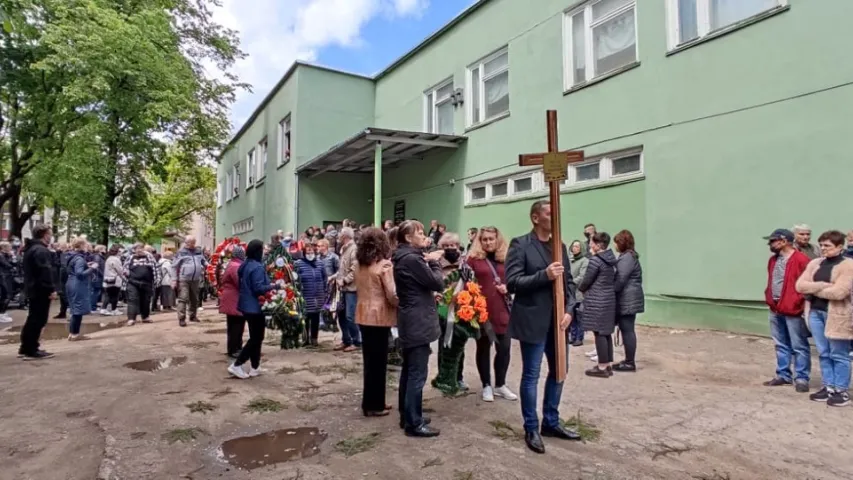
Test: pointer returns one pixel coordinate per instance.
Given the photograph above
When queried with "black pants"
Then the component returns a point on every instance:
(312, 328)
(138, 300)
(443, 324)
(155, 298)
(629, 335)
(236, 325)
(36, 320)
(252, 349)
(374, 351)
(112, 297)
(604, 347)
(503, 347)
(412, 380)
(63, 302)
(5, 294)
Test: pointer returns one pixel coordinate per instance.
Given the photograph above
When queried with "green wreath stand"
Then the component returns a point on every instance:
(448, 363)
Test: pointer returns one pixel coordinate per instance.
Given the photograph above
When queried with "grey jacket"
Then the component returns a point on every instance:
(189, 265)
(578, 269)
(629, 285)
(599, 304)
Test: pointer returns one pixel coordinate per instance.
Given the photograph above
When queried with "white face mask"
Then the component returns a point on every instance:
(310, 257)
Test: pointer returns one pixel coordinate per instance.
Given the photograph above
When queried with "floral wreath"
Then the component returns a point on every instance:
(219, 260)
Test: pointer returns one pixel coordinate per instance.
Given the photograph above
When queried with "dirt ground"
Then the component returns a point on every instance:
(695, 410)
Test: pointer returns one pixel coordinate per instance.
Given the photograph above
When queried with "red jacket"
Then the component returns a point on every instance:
(229, 289)
(495, 302)
(791, 302)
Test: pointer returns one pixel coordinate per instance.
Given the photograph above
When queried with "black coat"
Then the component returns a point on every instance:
(532, 314)
(599, 295)
(629, 285)
(417, 282)
(38, 269)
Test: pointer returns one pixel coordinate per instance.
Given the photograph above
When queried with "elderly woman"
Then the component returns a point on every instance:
(375, 314)
(312, 274)
(599, 307)
(579, 264)
(142, 274)
(167, 294)
(827, 282)
(113, 280)
(417, 277)
(78, 287)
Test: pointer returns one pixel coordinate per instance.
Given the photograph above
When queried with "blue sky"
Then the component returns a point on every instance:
(361, 36)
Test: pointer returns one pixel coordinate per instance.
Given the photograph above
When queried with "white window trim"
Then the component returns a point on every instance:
(229, 189)
(219, 192)
(703, 12)
(261, 161)
(434, 104)
(251, 167)
(470, 121)
(243, 226)
(284, 126)
(589, 44)
(236, 181)
(540, 187)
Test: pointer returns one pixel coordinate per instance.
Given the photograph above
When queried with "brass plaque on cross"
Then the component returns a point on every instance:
(555, 165)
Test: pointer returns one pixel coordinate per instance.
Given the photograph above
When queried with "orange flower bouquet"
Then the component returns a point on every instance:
(470, 307)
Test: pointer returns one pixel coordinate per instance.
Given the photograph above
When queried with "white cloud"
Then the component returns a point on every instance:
(274, 33)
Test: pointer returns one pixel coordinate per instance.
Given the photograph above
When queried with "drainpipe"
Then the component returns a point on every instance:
(377, 185)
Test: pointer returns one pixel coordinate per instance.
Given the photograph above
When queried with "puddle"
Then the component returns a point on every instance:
(272, 447)
(59, 331)
(155, 364)
(217, 331)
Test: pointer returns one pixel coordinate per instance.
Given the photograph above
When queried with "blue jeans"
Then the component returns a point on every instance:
(834, 354)
(350, 334)
(531, 361)
(576, 328)
(74, 324)
(410, 398)
(792, 339)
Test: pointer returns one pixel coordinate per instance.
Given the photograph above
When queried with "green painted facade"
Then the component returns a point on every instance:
(729, 129)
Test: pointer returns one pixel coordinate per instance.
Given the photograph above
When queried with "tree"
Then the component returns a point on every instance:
(184, 190)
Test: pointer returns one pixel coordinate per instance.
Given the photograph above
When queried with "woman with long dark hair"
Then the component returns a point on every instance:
(375, 314)
(630, 299)
(254, 282)
(417, 276)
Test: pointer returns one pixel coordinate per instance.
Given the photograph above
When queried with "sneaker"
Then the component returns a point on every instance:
(39, 355)
(591, 353)
(625, 367)
(777, 382)
(505, 393)
(594, 359)
(147, 320)
(463, 386)
(488, 394)
(195, 320)
(131, 323)
(801, 386)
(117, 313)
(254, 372)
(238, 372)
(599, 372)
(821, 395)
(838, 399)
(182, 323)
(77, 338)
(4, 318)
(105, 312)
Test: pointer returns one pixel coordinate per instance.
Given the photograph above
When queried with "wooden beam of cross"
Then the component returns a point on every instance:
(555, 165)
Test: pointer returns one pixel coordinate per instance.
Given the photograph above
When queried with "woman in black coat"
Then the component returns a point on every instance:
(599, 302)
(630, 299)
(417, 277)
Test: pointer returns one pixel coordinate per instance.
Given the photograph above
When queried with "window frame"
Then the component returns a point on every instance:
(703, 22)
(219, 192)
(589, 44)
(251, 167)
(243, 226)
(285, 138)
(431, 105)
(470, 121)
(534, 175)
(261, 161)
(229, 189)
(237, 180)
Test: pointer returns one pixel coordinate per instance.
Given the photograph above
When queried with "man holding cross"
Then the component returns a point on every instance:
(532, 276)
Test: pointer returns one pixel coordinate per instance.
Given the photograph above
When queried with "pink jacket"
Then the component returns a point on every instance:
(229, 289)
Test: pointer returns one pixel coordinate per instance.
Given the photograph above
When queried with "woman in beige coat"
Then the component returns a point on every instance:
(827, 284)
(375, 314)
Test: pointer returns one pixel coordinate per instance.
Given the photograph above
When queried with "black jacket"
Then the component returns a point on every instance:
(599, 295)
(532, 315)
(629, 285)
(38, 269)
(417, 282)
(7, 270)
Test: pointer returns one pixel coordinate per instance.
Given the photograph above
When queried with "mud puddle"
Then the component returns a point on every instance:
(273, 447)
(59, 331)
(217, 331)
(155, 364)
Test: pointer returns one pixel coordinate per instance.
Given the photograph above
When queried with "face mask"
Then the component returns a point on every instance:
(587, 235)
(310, 257)
(451, 255)
(288, 239)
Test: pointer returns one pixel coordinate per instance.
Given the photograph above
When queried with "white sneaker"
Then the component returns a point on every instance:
(131, 323)
(594, 358)
(591, 353)
(506, 393)
(117, 313)
(4, 318)
(254, 372)
(488, 394)
(238, 371)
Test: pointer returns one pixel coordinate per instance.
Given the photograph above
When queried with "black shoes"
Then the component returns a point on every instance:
(838, 399)
(821, 395)
(561, 433)
(599, 372)
(625, 367)
(801, 386)
(534, 441)
(423, 431)
(777, 382)
(426, 421)
(577, 343)
(182, 323)
(39, 355)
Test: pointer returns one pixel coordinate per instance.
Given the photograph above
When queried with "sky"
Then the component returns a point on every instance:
(360, 36)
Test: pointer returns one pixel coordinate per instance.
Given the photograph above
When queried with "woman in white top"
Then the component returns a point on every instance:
(113, 281)
(167, 295)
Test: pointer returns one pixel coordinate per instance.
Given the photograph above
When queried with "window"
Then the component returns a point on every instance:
(616, 166)
(236, 179)
(229, 189)
(438, 109)
(284, 141)
(500, 189)
(478, 193)
(523, 185)
(251, 168)
(600, 36)
(488, 82)
(219, 193)
(518, 185)
(693, 19)
(243, 226)
(262, 164)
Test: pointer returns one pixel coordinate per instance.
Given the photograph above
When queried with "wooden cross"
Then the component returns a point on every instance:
(555, 164)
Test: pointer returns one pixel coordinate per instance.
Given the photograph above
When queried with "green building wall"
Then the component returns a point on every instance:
(741, 134)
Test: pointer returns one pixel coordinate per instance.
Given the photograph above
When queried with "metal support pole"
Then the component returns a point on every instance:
(377, 185)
